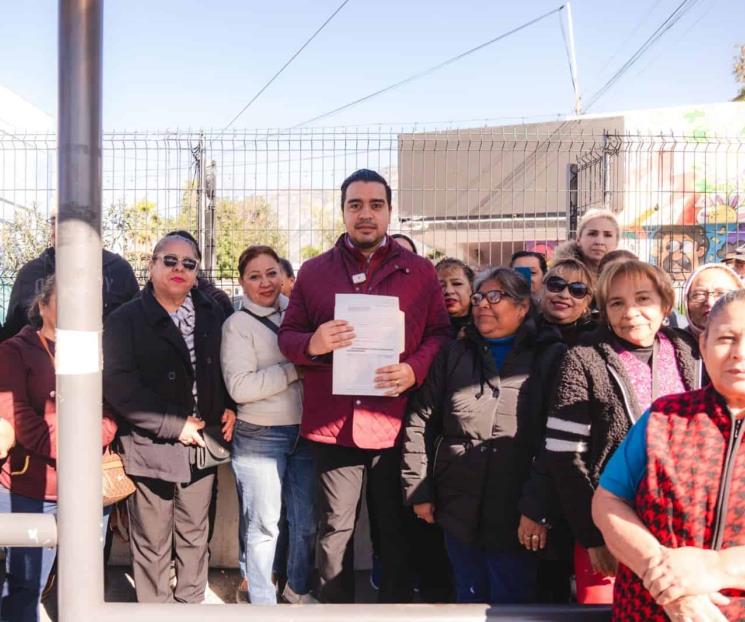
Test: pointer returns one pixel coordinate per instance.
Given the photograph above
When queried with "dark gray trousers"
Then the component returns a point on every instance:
(169, 521)
(340, 474)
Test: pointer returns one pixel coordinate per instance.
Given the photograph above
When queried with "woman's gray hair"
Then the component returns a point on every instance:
(512, 282)
(720, 305)
(171, 237)
(44, 295)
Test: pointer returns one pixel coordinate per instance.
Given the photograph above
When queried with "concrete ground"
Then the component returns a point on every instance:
(222, 586)
(222, 582)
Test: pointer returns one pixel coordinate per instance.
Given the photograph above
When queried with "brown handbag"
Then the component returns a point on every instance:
(117, 485)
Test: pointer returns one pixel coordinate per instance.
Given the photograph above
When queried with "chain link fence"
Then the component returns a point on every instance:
(477, 194)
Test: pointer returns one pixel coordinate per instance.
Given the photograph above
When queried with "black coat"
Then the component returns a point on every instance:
(218, 296)
(148, 378)
(575, 333)
(472, 433)
(119, 286)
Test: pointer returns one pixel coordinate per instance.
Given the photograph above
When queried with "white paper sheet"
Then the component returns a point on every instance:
(378, 326)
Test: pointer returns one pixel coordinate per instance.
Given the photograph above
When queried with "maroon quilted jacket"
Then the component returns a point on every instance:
(27, 375)
(693, 493)
(363, 421)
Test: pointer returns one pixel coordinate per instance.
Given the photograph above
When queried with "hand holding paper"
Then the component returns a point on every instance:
(329, 336)
(375, 347)
(396, 378)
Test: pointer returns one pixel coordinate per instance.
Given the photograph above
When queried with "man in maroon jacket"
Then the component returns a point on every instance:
(354, 435)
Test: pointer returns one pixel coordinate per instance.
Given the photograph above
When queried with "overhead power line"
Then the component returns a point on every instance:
(630, 35)
(292, 58)
(430, 70)
(666, 25)
(680, 38)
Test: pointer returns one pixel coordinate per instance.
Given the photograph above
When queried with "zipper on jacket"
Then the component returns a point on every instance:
(723, 496)
(438, 444)
(624, 394)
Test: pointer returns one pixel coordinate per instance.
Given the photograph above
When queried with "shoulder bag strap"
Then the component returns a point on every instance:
(264, 320)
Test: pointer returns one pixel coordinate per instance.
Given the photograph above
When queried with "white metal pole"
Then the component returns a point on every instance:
(573, 59)
(78, 270)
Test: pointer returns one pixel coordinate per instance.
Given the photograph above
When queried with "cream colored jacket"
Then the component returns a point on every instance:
(263, 383)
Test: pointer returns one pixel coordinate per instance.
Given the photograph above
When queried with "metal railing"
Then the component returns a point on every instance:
(477, 194)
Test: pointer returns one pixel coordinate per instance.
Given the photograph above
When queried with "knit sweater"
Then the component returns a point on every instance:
(593, 409)
(263, 383)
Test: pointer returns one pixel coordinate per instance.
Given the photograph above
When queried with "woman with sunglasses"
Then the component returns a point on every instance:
(602, 389)
(471, 434)
(162, 376)
(565, 306)
(565, 303)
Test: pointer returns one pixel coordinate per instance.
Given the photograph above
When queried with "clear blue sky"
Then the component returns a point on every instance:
(190, 63)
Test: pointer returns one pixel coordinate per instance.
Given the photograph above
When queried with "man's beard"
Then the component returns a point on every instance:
(366, 246)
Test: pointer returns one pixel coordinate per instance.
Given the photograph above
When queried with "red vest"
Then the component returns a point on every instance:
(693, 493)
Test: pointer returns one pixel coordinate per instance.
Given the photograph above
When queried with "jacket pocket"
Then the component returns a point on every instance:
(448, 452)
(251, 429)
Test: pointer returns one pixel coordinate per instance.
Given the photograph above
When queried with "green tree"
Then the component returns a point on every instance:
(143, 228)
(326, 223)
(240, 224)
(309, 251)
(23, 238)
(435, 255)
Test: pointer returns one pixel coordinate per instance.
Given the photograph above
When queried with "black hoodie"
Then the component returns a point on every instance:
(119, 286)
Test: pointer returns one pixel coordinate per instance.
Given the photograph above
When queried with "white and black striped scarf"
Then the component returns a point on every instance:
(185, 319)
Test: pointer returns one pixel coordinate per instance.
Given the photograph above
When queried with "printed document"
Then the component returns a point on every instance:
(378, 325)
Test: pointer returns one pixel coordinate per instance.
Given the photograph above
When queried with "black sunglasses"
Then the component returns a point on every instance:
(171, 261)
(493, 296)
(556, 284)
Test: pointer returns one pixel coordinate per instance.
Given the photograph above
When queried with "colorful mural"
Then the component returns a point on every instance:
(684, 190)
(680, 249)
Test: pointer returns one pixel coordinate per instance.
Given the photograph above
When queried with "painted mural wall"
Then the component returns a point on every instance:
(684, 185)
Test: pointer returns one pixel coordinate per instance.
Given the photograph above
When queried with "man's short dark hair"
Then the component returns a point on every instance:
(539, 256)
(366, 175)
(287, 268)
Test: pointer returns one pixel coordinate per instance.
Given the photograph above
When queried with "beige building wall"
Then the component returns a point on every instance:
(480, 194)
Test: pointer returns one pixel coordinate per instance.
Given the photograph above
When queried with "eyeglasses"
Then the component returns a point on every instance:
(702, 295)
(556, 284)
(171, 261)
(492, 297)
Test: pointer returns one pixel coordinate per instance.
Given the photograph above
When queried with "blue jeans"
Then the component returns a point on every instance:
(272, 463)
(497, 578)
(27, 569)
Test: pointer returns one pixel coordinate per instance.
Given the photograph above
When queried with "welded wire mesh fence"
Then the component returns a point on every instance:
(477, 194)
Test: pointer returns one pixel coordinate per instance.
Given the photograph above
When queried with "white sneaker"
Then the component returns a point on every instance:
(289, 595)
